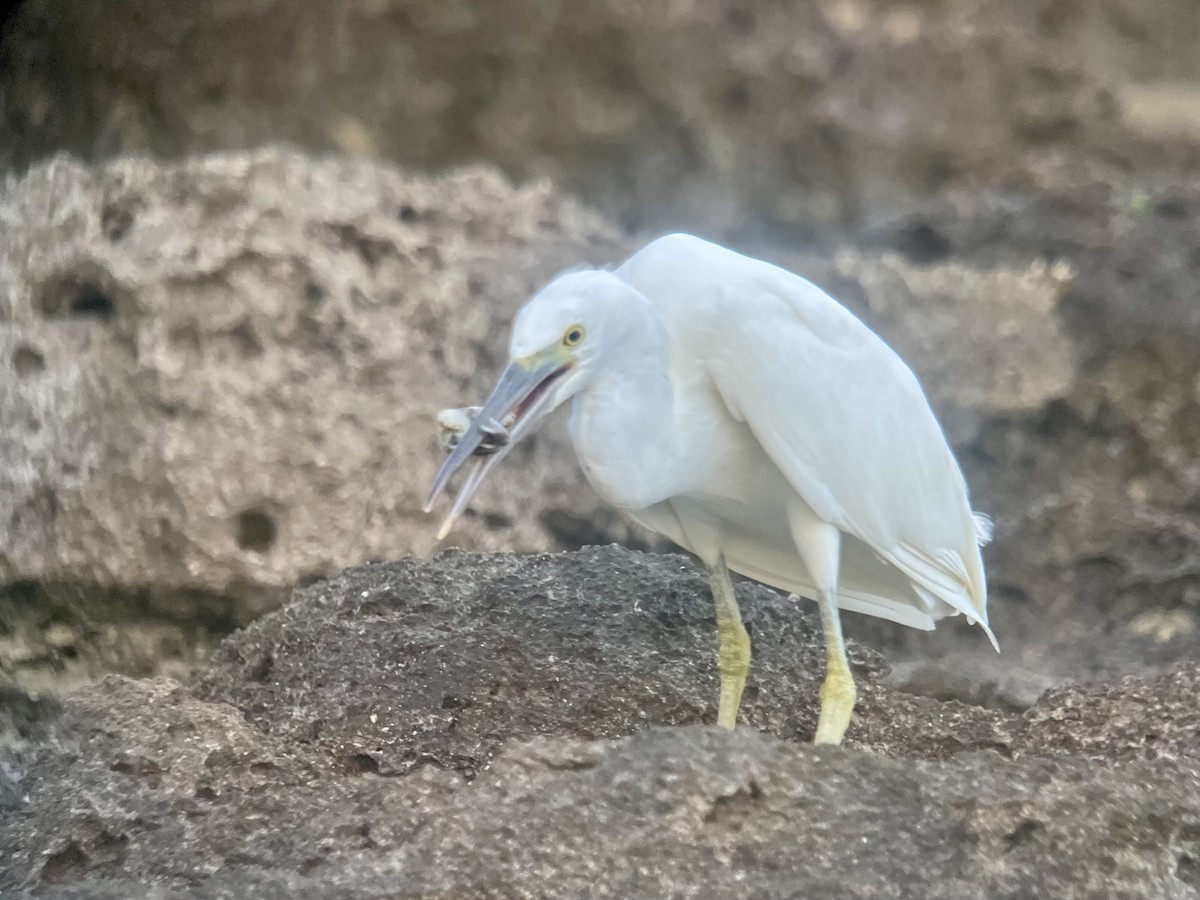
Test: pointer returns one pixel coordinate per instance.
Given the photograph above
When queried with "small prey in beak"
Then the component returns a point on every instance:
(486, 434)
(455, 422)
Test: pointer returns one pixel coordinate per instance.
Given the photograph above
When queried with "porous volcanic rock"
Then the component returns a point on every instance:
(477, 726)
(222, 374)
(733, 115)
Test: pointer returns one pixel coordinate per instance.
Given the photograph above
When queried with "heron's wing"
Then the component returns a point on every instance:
(859, 590)
(833, 406)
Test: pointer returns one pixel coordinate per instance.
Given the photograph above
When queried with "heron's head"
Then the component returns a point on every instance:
(561, 339)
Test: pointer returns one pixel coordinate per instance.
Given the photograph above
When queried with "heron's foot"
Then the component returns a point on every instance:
(734, 664)
(837, 701)
(453, 424)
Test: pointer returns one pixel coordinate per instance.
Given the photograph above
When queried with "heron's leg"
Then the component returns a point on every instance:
(734, 655)
(820, 545)
(837, 691)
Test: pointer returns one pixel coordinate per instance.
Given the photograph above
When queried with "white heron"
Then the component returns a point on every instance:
(749, 417)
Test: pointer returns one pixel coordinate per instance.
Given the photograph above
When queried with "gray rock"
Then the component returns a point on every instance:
(485, 726)
(222, 382)
(456, 655)
(697, 812)
(729, 114)
(26, 724)
(223, 373)
(1134, 719)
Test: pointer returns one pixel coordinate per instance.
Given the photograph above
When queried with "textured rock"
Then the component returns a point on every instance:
(171, 787)
(1093, 484)
(986, 341)
(224, 372)
(430, 729)
(1133, 719)
(222, 387)
(455, 655)
(691, 812)
(728, 114)
(26, 723)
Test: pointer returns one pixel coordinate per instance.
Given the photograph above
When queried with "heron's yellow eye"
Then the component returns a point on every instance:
(573, 336)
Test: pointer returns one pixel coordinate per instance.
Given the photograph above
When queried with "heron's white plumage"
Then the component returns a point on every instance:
(831, 409)
(748, 416)
(744, 413)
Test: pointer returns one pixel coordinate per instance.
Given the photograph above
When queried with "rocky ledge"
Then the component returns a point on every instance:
(524, 726)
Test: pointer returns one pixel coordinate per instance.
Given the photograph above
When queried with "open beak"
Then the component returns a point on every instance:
(524, 389)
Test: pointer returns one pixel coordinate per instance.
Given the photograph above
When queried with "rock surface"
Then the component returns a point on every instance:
(379, 737)
(1093, 487)
(336, 305)
(222, 377)
(742, 115)
(593, 644)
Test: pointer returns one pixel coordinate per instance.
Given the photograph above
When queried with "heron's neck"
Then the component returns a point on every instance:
(622, 424)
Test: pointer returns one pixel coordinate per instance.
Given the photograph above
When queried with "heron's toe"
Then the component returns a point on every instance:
(837, 704)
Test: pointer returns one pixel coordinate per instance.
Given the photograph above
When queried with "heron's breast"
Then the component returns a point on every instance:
(637, 452)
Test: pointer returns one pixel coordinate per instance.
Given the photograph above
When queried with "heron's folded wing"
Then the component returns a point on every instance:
(847, 423)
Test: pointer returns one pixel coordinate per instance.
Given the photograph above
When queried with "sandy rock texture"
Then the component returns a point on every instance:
(1001, 188)
(1094, 485)
(734, 115)
(460, 727)
(221, 377)
(220, 366)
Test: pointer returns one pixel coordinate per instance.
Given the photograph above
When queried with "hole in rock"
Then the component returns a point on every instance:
(66, 865)
(922, 244)
(115, 221)
(363, 764)
(27, 361)
(78, 300)
(256, 530)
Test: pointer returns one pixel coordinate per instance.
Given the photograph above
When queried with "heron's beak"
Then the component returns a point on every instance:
(524, 389)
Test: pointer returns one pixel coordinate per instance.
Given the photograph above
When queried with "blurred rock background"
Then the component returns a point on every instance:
(250, 247)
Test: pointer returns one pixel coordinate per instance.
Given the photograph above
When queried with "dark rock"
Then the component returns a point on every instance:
(1133, 719)
(27, 724)
(672, 813)
(442, 661)
(235, 393)
(446, 728)
(737, 114)
(169, 787)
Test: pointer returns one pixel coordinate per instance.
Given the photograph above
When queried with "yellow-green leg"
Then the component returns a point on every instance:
(837, 691)
(820, 546)
(734, 654)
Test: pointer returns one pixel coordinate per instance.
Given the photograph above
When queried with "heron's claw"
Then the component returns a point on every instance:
(453, 423)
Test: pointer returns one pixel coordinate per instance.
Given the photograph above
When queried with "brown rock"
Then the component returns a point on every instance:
(318, 756)
(224, 372)
(454, 655)
(728, 115)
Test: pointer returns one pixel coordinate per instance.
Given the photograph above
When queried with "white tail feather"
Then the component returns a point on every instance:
(983, 529)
